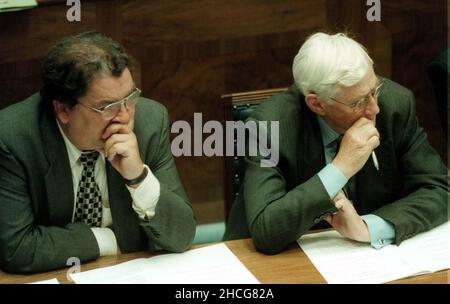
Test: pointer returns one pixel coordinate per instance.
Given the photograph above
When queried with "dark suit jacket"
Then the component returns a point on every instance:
(281, 203)
(37, 199)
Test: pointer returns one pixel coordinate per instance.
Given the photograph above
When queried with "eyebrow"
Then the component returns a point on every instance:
(377, 83)
(106, 102)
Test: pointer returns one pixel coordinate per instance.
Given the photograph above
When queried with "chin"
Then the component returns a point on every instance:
(100, 147)
(96, 146)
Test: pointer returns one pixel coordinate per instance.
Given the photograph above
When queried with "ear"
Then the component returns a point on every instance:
(316, 104)
(61, 111)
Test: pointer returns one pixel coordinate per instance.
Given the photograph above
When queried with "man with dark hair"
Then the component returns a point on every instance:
(86, 167)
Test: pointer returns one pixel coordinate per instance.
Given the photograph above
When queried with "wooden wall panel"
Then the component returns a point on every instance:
(418, 34)
(174, 22)
(19, 80)
(29, 34)
(26, 36)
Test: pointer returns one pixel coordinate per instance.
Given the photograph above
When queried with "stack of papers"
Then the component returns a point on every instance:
(16, 5)
(214, 264)
(340, 260)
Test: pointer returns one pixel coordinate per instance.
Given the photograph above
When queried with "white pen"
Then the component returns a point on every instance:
(375, 160)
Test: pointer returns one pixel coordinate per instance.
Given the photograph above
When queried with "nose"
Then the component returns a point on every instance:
(372, 108)
(123, 116)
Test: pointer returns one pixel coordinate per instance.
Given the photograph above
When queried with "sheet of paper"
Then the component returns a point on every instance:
(51, 281)
(340, 260)
(429, 250)
(214, 264)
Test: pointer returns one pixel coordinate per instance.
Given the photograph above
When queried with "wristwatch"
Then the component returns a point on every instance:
(137, 180)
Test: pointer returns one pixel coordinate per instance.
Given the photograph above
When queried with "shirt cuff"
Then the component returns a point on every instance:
(381, 232)
(332, 179)
(106, 241)
(146, 196)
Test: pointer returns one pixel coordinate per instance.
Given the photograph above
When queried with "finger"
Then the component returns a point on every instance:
(131, 124)
(373, 142)
(362, 122)
(368, 128)
(339, 204)
(347, 208)
(117, 149)
(359, 134)
(116, 128)
(337, 198)
(368, 131)
(116, 138)
(113, 140)
(339, 195)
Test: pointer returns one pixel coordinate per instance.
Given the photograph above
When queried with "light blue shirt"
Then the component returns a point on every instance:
(381, 232)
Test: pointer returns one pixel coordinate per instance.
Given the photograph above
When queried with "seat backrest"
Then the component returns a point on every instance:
(238, 107)
(438, 71)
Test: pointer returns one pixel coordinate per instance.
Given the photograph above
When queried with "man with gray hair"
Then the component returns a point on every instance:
(85, 166)
(352, 155)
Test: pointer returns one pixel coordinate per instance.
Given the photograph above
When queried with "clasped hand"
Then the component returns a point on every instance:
(356, 146)
(122, 151)
(347, 221)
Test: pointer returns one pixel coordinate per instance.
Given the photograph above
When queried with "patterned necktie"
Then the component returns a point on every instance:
(89, 200)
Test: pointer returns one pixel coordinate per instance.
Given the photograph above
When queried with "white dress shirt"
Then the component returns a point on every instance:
(144, 198)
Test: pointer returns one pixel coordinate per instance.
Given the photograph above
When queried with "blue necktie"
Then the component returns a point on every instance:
(349, 186)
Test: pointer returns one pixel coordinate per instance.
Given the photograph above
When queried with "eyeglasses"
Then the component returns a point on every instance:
(362, 103)
(111, 110)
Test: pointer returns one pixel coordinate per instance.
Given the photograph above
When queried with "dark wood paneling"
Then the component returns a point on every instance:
(26, 36)
(29, 34)
(19, 80)
(174, 22)
(418, 33)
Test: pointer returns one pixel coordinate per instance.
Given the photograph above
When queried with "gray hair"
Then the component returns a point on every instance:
(326, 62)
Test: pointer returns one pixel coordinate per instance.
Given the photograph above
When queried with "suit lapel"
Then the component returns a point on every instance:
(125, 220)
(58, 180)
(311, 139)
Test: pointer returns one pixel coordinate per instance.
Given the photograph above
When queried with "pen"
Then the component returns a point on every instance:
(375, 160)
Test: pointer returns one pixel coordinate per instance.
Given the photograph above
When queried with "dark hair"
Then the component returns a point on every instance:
(73, 63)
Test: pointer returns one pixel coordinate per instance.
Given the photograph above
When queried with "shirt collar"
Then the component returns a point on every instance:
(328, 134)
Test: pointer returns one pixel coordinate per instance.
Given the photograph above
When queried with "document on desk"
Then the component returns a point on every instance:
(340, 260)
(215, 264)
(51, 281)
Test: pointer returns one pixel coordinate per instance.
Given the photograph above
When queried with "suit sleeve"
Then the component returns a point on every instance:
(173, 226)
(277, 217)
(424, 180)
(26, 247)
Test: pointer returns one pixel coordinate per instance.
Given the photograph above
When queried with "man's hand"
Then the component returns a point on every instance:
(121, 149)
(347, 221)
(356, 146)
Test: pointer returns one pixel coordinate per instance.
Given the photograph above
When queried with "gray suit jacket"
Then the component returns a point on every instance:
(37, 199)
(278, 205)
